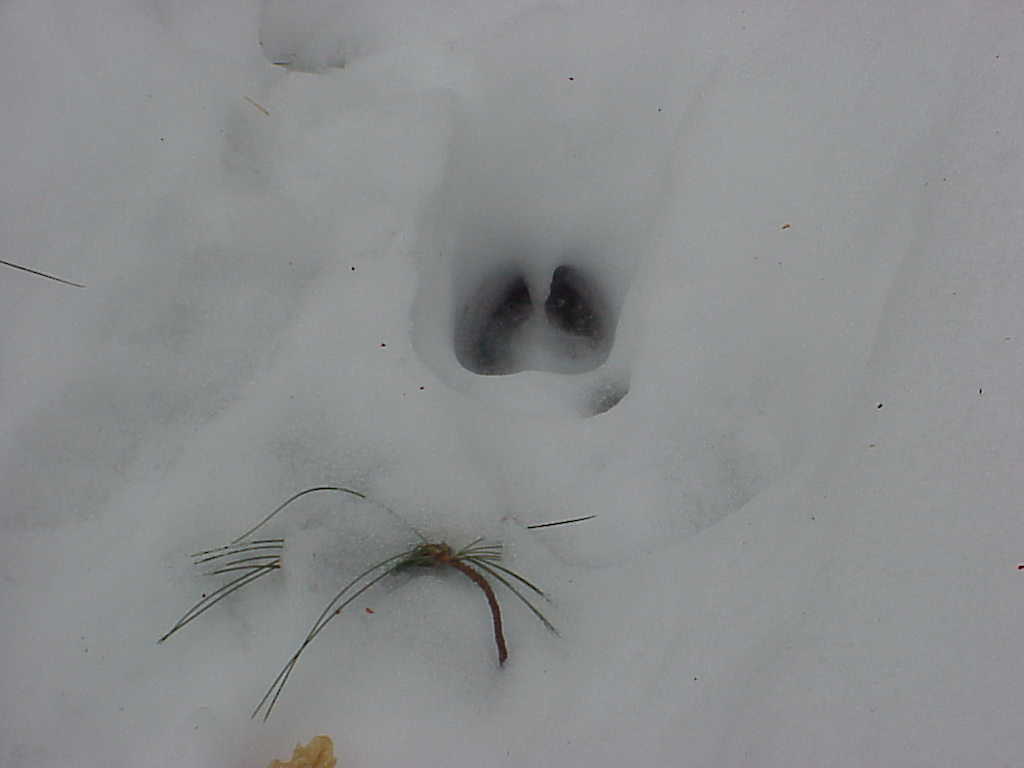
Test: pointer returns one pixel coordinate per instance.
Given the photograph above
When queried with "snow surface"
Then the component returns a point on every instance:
(805, 222)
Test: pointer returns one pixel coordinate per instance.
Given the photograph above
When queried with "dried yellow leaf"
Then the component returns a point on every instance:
(319, 753)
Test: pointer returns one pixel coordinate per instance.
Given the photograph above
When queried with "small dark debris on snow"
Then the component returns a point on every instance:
(258, 106)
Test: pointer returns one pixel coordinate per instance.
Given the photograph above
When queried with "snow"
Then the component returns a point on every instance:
(799, 426)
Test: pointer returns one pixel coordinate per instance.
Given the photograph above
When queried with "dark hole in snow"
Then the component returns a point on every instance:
(494, 349)
(501, 332)
(572, 305)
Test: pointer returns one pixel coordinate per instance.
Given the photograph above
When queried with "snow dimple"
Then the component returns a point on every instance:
(606, 396)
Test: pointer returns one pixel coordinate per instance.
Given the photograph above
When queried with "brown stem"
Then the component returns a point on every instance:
(492, 601)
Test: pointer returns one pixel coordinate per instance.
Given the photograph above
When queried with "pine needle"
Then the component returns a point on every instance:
(520, 578)
(41, 274)
(560, 522)
(205, 604)
(296, 497)
(230, 551)
(326, 617)
(257, 557)
(257, 565)
(489, 568)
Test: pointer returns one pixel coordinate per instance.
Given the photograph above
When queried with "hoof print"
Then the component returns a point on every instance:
(496, 348)
(573, 306)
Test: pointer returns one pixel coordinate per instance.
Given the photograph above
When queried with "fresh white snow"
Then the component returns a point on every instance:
(800, 428)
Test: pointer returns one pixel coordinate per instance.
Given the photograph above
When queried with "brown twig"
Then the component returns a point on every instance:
(258, 106)
(492, 601)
